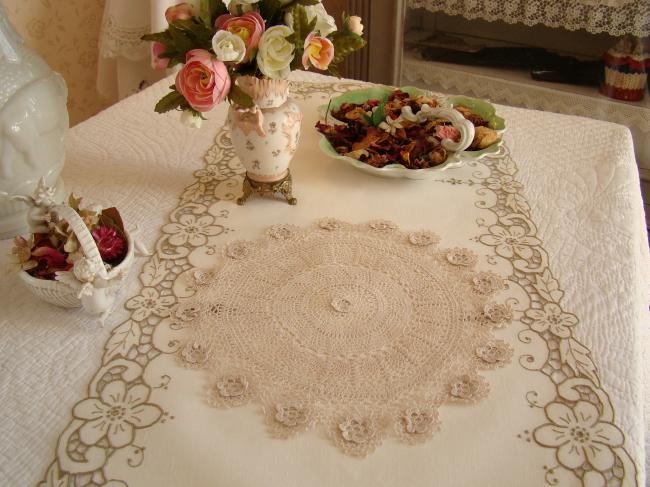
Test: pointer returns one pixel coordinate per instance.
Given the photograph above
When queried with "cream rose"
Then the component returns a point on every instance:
(228, 47)
(275, 52)
(355, 25)
(325, 23)
(191, 119)
(238, 7)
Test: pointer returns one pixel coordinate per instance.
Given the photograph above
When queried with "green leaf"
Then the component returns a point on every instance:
(162, 37)
(169, 102)
(345, 43)
(211, 9)
(239, 97)
(379, 115)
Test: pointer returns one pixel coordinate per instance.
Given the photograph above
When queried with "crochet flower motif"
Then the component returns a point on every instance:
(287, 420)
(229, 391)
(579, 436)
(382, 225)
(461, 257)
(116, 414)
(498, 314)
(423, 238)
(194, 355)
(494, 353)
(357, 436)
(329, 224)
(553, 319)
(486, 283)
(467, 389)
(282, 231)
(192, 230)
(417, 424)
(508, 242)
(358, 431)
(149, 302)
(239, 250)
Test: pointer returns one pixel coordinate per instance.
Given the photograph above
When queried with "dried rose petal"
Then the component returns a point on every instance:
(111, 245)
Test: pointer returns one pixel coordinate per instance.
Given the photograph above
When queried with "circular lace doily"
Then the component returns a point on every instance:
(363, 328)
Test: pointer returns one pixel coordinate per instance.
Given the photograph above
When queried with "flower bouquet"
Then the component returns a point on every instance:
(222, 42)
(76, 255)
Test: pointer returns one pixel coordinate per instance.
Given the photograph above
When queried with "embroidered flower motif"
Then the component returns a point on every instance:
(423, 238)
(487, 283)
(282, 231)
(116, 414)
(229, 391)
(342, 304)
(382, 225)
(239, 250)
(498, 314)
(357, 430)
(192, 230)
(579, 436)
(200, 278)
(494, 353)
(329, 224)
(416, 425)
(149, 302)
(462, 257)
(505, 183)
(467, 389)
(194, 355)
(291, 416)
(553, 319)
(510, 241)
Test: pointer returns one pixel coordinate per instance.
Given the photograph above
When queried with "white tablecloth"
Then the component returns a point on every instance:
(579, 177)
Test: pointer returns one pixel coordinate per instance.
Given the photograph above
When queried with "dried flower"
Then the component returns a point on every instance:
(111, 245)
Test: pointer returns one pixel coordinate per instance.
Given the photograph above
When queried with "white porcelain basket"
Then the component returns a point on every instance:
(68, 293)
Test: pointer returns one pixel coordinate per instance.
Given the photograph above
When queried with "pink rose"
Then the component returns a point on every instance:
(182, 11)
(319, 51)
(203, 81)
(448, 132)
(157, 62)
(249, 27)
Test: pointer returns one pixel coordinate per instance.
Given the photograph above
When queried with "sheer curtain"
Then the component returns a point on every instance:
(124, 60)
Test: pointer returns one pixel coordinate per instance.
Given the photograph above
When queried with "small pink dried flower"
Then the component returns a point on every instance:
(111, 245)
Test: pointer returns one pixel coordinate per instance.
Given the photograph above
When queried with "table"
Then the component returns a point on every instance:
(584, 198)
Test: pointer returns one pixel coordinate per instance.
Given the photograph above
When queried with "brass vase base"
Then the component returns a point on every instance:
(282, 186)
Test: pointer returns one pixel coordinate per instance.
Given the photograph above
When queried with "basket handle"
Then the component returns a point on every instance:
(85, 238)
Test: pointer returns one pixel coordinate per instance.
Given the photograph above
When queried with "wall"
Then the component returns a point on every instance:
(65, 33)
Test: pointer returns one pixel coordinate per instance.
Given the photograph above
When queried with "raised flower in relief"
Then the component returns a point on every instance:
(498, 314)
(357, 430)
(510, 241)
(192, 230)
(291, 416)
(467, 388)
(329, 224)
(239, 250)
(579, 436)
(229, 391)
(461, 257)
(382, 225)
(149, 302)
(417, 424)
(195, 355)
(552, 318)
(116, 413)
(282, 231)
(423, 238)
(494, 353)
(487, 283)
(505, 183)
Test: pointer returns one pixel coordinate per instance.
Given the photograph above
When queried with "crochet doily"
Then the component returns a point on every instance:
(362, 328)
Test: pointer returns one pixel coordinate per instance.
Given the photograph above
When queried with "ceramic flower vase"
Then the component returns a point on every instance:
(266, 136)
(33, 124)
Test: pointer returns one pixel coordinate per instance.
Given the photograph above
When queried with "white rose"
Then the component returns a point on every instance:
(355, 25)
(239, 7)
(191, 119)
(228, 47)
(325, 23)
(275, 52)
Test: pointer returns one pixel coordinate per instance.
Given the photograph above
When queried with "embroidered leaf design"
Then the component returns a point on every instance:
(548, 287)
(153, 272)
(53, 477)
(507, 166)
(193, 193)
(123, 339)
(577, 356)
(518, 204)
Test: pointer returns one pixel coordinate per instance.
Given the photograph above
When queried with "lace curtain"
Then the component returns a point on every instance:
(615, 17)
